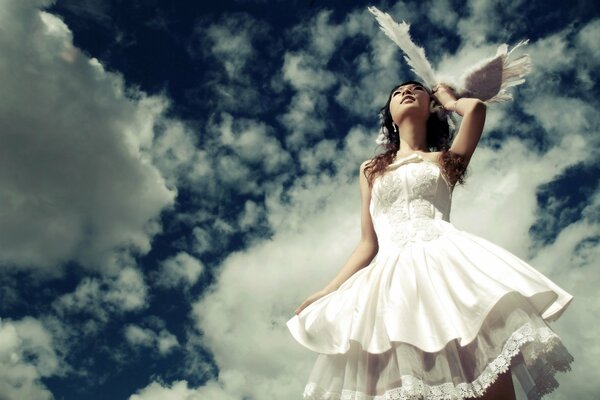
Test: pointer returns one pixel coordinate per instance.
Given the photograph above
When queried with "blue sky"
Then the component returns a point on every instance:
(176, 178)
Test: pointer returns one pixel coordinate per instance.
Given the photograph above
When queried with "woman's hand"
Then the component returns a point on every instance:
(445, 95)
(311, 299)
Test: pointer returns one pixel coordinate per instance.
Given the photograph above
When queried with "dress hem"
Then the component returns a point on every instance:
(412, 388)
(557, 305)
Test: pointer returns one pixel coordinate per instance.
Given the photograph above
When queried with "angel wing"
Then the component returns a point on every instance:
(487, 81)
(414, 55)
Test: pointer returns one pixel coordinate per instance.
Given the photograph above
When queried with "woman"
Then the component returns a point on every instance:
(422, 309)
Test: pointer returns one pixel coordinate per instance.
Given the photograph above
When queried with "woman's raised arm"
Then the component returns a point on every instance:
(473, 112)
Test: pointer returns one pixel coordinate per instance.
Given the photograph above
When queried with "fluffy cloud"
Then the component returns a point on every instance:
(316, 224)
(98, 297)
(27, 355)
(258, 289)
(164, 341)
(121, 160)
(179, 390)
(75, 184)
(233, 44)
(253, 142)
(182, 269)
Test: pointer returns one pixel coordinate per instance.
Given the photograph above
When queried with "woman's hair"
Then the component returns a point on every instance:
(439, 138)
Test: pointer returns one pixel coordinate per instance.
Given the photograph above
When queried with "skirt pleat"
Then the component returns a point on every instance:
(513, 335)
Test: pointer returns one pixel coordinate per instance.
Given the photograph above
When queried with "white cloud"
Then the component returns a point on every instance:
(571, 260)
(98, 297)
(179, 390)
(315, 231)
(487, 17)
(304, 118)
(75, 182)
(27, 355)
(441, 12)
(316, 225)
(587, 39)
(252, 300)
(234, 42)
(182, 269)
(163, 341)
(305, 72)
(138, 336)
(251, 215)
(123, 189)
(166, 341)
(502, 186)
(254, 142)
(231, 42)
(577, 115)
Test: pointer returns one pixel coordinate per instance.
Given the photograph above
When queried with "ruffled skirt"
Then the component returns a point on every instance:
(439, 319)
(512, 336)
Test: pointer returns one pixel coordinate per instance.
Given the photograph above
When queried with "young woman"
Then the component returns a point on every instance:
(421, 309)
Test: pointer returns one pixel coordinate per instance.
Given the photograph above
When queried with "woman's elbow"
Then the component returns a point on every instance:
(370, 244)
(478, 106)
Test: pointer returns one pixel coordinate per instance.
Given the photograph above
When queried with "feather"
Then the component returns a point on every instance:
(414, 55)
(489, 79)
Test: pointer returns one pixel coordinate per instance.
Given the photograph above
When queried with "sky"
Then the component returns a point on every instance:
(176, 177)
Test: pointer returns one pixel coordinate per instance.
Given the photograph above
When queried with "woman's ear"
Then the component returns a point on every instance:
(432, 106)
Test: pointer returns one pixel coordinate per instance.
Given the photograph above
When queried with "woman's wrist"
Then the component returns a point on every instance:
(451, 105)
(442, 88)
(445, 95)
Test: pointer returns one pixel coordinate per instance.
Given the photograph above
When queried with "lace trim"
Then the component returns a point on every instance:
(391, 192)
(410, 215)
(414, 231)
(544, 341)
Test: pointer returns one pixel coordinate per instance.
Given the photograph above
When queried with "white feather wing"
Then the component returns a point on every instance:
(414, 55)
(489, 79)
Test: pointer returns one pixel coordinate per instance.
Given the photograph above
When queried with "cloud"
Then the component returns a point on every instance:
(179, 390)
(254, 142)
(27, 355)
(586, 39)
(238, 49)
(95, 10)
(75, 183)
(487, 18)
(163, 341)
(441, 12)
(180, 270)
(315, 219)
(306, 71)
(99, 297)
(316, 229)
(293, 171)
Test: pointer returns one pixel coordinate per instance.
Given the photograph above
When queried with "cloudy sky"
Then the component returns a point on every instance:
(175, 179)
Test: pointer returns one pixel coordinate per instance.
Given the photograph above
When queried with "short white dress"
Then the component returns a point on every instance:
(439, 313)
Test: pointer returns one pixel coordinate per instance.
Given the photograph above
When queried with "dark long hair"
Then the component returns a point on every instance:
(439, 138)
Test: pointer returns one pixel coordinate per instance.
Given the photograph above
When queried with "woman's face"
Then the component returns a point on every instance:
(411, 100)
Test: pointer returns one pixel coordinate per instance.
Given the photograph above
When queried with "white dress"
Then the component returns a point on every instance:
(439, 313)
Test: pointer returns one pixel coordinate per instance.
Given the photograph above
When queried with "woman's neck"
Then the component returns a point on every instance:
(413, 137)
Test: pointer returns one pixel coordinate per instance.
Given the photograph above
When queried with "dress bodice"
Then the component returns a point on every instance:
(408, 199)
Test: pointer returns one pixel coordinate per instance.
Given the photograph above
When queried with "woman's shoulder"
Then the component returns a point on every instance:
(364, 164)
(434, 156)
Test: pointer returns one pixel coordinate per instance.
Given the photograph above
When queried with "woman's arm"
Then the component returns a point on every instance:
(367, 247)
(361, 256)
(473, 112)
